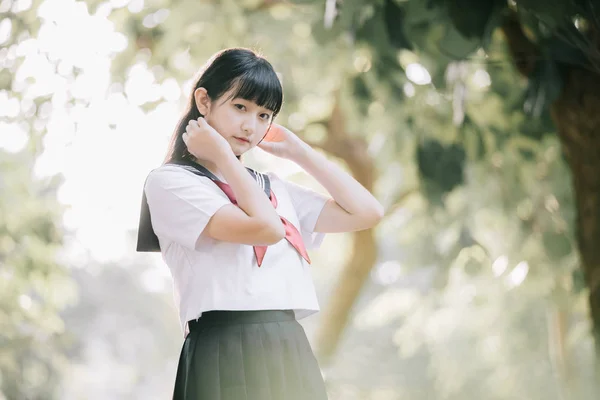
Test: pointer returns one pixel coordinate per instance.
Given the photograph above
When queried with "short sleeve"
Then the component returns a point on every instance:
(308, 205)
(181, 204)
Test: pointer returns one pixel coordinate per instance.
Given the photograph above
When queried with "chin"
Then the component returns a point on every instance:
(239, 152)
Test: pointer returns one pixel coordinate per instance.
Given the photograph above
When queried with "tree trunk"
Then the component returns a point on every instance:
(353, 151)
(347, 290)
(557, 322)
(356, 272)
(576, 114)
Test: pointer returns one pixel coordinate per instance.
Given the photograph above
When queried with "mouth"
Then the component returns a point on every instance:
(242, 140)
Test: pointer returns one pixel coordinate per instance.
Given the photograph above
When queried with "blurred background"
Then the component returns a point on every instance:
(475, 122)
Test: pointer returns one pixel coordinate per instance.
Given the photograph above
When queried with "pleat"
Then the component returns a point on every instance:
(312, 377)
(250, 361)
(204, 372)
(300, 362)
(258, 382)
(271, 344)
(292, 363)
(180, 378)
(231, 363)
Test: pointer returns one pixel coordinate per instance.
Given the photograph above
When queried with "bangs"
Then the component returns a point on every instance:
(261, 86)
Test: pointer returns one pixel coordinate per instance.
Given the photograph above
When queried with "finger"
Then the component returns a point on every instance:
(201, 122)
(191, 129)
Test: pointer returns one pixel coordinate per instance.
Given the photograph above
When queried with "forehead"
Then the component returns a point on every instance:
(262, 90)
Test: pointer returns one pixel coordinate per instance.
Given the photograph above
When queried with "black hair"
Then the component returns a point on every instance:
(250, 76)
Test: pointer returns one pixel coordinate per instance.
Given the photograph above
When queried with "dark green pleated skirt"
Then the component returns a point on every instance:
(248, 355)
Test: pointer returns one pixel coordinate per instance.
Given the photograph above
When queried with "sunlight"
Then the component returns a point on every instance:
(104, 128)
(481, 79)
(418, 74)
(518, 274)
(5, 29)
(13, 138)
(500, 265)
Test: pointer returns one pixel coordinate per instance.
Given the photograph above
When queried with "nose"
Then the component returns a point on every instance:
(249, 126)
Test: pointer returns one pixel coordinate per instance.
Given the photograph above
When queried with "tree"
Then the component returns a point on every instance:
(33, 286)
(478, 196)
(554, 45)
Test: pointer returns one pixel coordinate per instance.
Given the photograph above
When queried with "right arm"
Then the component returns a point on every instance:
(254, 221)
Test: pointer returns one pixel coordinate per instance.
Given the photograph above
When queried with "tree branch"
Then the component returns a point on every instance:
(399, 201)
(325, 146)
(266, 4)
(336, 126)
(524, 52)
(344, 148)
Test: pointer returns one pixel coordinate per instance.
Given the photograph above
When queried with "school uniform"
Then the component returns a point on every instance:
(238, 304)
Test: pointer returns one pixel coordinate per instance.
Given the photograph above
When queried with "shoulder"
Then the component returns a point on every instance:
(283, 182)
(273, 177)
(172, 176)
(276, 182)
(172, 171)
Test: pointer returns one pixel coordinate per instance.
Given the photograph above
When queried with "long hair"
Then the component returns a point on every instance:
(251, 76)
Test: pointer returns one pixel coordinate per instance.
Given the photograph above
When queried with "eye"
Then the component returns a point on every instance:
(265, 116)
(240, 107)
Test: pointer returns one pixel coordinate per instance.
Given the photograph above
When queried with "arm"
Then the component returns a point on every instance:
(255, 220)
(182, 205)
(352, 208)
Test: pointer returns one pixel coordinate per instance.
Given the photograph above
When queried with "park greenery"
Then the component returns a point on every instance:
(473, 121)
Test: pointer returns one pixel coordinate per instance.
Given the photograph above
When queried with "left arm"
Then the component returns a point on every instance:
(352, 207)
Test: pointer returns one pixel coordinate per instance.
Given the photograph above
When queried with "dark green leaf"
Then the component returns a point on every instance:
(394, 24)
(470, 17)
(557, 245)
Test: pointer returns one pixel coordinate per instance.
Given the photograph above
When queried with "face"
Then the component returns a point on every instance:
(241, 122)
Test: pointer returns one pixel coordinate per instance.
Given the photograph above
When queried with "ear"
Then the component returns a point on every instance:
(202, 100)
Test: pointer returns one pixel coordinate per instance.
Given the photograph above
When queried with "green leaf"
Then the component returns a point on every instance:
(472, 139)
(394, 16)
(443, 166)
(454, 45)
(551, 13)
(470, 17)
(557, 245)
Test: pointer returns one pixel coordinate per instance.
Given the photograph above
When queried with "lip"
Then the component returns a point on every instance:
(242, 139)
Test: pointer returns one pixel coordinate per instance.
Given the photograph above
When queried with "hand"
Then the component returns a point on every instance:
(203, 141)
(282, 142)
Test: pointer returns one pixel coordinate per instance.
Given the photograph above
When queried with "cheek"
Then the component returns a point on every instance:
(223, 121)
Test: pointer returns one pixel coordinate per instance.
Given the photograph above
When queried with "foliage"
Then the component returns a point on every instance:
(124, 334)
(431, 90)
(33, 286)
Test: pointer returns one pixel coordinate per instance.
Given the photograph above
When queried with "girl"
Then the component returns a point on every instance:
(235, 242)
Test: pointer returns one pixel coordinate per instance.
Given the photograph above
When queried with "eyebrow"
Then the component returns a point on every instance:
(250, 101)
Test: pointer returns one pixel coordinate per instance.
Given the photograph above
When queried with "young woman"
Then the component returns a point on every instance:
(236, 242)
